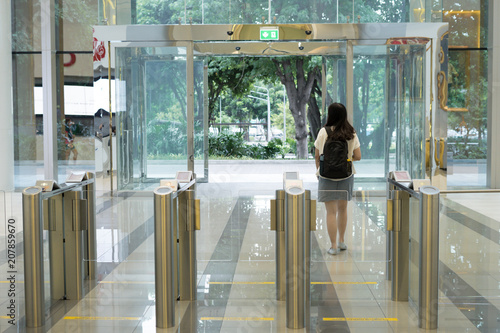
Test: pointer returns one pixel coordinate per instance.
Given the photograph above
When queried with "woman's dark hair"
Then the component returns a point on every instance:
(337, 117)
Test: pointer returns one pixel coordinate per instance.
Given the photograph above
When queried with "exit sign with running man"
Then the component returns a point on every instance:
(269, 33)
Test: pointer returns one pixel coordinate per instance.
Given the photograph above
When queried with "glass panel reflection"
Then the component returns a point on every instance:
(28, 123)
(389, 108)
(467, 131)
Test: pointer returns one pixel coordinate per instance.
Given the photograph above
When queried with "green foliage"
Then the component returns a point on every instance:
(292, 143)
(257, 11)
(227, 144)
(166, 137)
(467, 150)
(369, 104)
(233, 145)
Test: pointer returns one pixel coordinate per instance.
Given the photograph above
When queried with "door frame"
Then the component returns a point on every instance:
(242, 39)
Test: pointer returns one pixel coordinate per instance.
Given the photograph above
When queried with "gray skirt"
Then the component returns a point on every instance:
(329, 190)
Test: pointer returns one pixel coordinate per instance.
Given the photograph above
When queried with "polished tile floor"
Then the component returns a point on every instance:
(236, 269)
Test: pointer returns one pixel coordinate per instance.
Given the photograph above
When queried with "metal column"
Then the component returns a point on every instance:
(296, 232)
(33, 257)
(429, 258)
(164, 268)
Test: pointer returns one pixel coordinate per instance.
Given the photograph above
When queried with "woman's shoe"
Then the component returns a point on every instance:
(342, 246)
(333, 251)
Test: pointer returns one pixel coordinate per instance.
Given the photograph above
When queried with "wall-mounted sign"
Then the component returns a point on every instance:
(269, 33)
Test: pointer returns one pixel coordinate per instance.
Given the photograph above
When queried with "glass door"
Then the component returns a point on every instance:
(406, 108)
(151, 117)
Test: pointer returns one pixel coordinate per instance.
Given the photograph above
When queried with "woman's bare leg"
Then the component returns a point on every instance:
(342, 219)
(331, 221)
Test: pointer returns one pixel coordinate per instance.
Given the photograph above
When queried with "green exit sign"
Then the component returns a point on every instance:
(269, 33)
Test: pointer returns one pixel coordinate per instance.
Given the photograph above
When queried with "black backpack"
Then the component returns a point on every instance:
(334, 163)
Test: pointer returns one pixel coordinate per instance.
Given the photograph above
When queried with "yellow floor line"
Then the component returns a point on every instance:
(244, 282)
(360, 319)
(240, 282)
(238, 318)
(270, 319)
(101, 318)
(343, 282)
(129, 282)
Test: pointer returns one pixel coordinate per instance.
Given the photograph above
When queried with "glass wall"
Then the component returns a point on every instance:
(250, 11)
(467, 88)
(74, 81)
(26, 48)
(74, 20)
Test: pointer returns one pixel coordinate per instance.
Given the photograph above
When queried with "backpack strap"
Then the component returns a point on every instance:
(329, 131)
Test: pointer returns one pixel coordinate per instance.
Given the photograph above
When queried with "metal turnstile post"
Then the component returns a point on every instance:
(91, 242)
(278, 224)
(75, 223)
(54, 222)
(399, 229)
(293, 217)
(33, 257)
(165, 296)
(390, 222)
(297, 232)
(429, 258)
(189, 222)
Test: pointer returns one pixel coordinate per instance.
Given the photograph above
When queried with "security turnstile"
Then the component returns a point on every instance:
(293, 217)
(177, 217)
(68, 213)
(398, 226)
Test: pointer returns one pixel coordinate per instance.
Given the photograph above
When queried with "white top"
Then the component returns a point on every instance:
(351, 145)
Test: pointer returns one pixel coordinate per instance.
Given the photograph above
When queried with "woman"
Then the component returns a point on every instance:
(336, 192)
